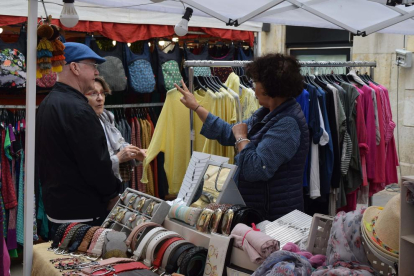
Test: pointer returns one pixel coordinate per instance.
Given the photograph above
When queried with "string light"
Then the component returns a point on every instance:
(69, 17)
(129, 44)
(114, 42)
(1, 30)
(149, 44)
(161, 43)
(175, 39)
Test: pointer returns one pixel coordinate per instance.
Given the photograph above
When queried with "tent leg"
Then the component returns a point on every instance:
(29, 175)
(258, 46)
(191, 88)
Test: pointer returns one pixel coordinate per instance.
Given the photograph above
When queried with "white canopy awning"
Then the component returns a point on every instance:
(357, 16)
(98, 11)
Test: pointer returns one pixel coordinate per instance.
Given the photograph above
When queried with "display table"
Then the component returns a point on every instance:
(41, 261)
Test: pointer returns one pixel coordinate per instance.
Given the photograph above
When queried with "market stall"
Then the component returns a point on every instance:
(388, 17)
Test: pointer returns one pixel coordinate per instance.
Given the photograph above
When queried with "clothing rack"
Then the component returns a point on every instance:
(106, 106)
(238, 63)
(13, 106)
(134, 105)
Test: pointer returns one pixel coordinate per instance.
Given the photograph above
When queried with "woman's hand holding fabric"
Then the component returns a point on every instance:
(142, 153)
(128, 153)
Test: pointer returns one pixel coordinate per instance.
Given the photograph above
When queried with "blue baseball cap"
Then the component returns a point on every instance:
(77, 51)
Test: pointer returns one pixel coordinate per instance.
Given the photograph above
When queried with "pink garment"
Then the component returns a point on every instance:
(6, 260)
(391, 161)
(257, 244)
(362, 135)
(315, 260)
(369, 115)
(380, 158)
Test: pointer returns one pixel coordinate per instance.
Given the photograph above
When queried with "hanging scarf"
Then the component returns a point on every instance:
(20, 206)
(7, 188)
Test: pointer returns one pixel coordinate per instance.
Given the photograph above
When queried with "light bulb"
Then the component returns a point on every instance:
(129, 44)
(69, 17)
(149, 44)
(175, 39)
(161, 43)
(181, 28)
(1, 30)
(114, 42)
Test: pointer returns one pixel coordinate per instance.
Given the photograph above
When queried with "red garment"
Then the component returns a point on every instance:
(391, 161)
(351, 202)
(7, 187)
(369, 115)
(139, 168)
(134, 143)
(362, 135)
(154, 162)
(378, 183)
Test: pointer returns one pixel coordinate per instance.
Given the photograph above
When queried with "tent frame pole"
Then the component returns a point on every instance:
(287, 8)
(258, 11)
(29, 175)
(322, 15)
(207, 11)
(387, 23)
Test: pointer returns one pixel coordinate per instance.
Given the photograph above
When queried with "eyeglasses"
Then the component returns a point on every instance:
(96, 94)
(89, 63)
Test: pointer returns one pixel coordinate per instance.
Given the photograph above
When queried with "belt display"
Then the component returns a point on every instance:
(59, 235)
(83, 247)
(77, 239)
(133, 236)
(155, 241)
(97, 249)
(163, 249)
(172, 265)
(67, 231)
(95, 239)
(64, 245)
(142, 246)
(112, 270)
(110, 261)
(141, 272)
(194, 262)
(170, 251)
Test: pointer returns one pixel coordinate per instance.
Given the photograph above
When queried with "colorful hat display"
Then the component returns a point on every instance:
(381, 227)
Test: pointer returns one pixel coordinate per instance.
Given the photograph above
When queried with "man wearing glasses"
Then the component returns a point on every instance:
(74, 168)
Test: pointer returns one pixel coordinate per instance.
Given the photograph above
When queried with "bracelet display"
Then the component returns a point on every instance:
(204, 220)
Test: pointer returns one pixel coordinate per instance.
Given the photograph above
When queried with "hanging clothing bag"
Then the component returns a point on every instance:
(13, 63)
(141, 76)
(112, 69)
(204, 55)
(168, 68)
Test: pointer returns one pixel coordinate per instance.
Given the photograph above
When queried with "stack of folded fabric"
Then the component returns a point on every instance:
(257, 244)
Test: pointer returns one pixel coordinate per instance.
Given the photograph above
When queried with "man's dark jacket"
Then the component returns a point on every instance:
(72, 157)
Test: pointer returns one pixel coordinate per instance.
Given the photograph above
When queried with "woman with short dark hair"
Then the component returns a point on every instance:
(273, 143)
